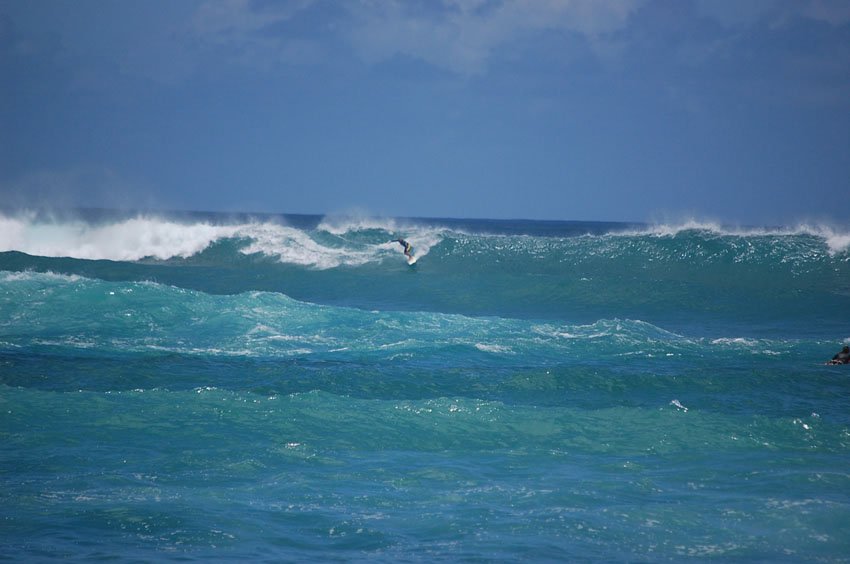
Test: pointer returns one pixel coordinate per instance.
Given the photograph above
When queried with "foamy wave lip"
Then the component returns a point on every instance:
(713, 227)
(126, 240)
(735, 341)
(28, 275)
(631, 328)
(838, 243)
(151, 237)
(835, 239)
(492, 348)
(671, 230)
(294, 246)
(422, 237)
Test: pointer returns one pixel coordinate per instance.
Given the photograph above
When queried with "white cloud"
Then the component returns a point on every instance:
(456, 35)
(245, 30)
(224, 20)
(460, 35)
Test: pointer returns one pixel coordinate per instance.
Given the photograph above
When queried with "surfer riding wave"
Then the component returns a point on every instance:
(843, 356)
(408, 248)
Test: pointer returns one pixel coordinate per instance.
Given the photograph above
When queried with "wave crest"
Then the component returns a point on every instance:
(293, 246)
(333, 243)
(836, 239)
(354, 241)
(125, 240)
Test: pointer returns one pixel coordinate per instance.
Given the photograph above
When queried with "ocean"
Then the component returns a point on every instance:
(224, 387)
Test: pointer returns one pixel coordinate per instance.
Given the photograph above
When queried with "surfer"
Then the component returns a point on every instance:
(841, 358)
(408, 248)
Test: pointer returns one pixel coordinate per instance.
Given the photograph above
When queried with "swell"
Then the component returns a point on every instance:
(144, 471)
(313, 420)
(67, 333)
(149, 316)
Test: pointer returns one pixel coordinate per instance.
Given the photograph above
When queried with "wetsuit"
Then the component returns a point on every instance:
(842, 358)
(408, 248)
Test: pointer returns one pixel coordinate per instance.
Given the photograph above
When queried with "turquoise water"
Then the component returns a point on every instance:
(286, 388)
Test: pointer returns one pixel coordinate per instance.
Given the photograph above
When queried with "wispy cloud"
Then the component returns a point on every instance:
(455, 35)
(461, 35)
(235, 20)
(734, 13)
(248, 33)
(167, 42)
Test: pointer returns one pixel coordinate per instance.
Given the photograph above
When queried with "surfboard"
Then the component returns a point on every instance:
(411, 260)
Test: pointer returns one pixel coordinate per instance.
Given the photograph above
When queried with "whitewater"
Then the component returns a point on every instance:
(218, 387)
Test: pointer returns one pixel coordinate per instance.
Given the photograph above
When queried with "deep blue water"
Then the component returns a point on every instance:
(286, 388)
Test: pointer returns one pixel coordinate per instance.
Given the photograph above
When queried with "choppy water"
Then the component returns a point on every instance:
(205, 387)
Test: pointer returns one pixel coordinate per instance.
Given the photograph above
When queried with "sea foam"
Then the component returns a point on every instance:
(124, 240)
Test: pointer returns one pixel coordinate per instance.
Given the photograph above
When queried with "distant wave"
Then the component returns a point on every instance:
(837, 240)
(28, 276)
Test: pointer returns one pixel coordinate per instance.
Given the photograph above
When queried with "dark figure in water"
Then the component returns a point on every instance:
(408, 248)
(841, 358)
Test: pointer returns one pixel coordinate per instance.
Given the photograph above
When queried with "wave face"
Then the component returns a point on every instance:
(287, 387)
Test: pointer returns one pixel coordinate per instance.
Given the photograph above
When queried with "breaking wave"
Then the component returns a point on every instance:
(334, 241)
(330, 244)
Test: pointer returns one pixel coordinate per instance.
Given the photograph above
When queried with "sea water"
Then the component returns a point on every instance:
(202, 387)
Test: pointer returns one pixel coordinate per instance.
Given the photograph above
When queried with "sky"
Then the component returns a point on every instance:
(735, 111)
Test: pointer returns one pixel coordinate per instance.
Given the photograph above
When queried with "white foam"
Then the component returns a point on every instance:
(294, 246)
(498, 349)
(671, 230)
(422, 237)
(28, 275)
(735, 341)
(677, 404)
(129, 239)
(837, 242)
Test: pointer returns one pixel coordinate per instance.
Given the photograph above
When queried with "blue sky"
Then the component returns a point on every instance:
(633, 110)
